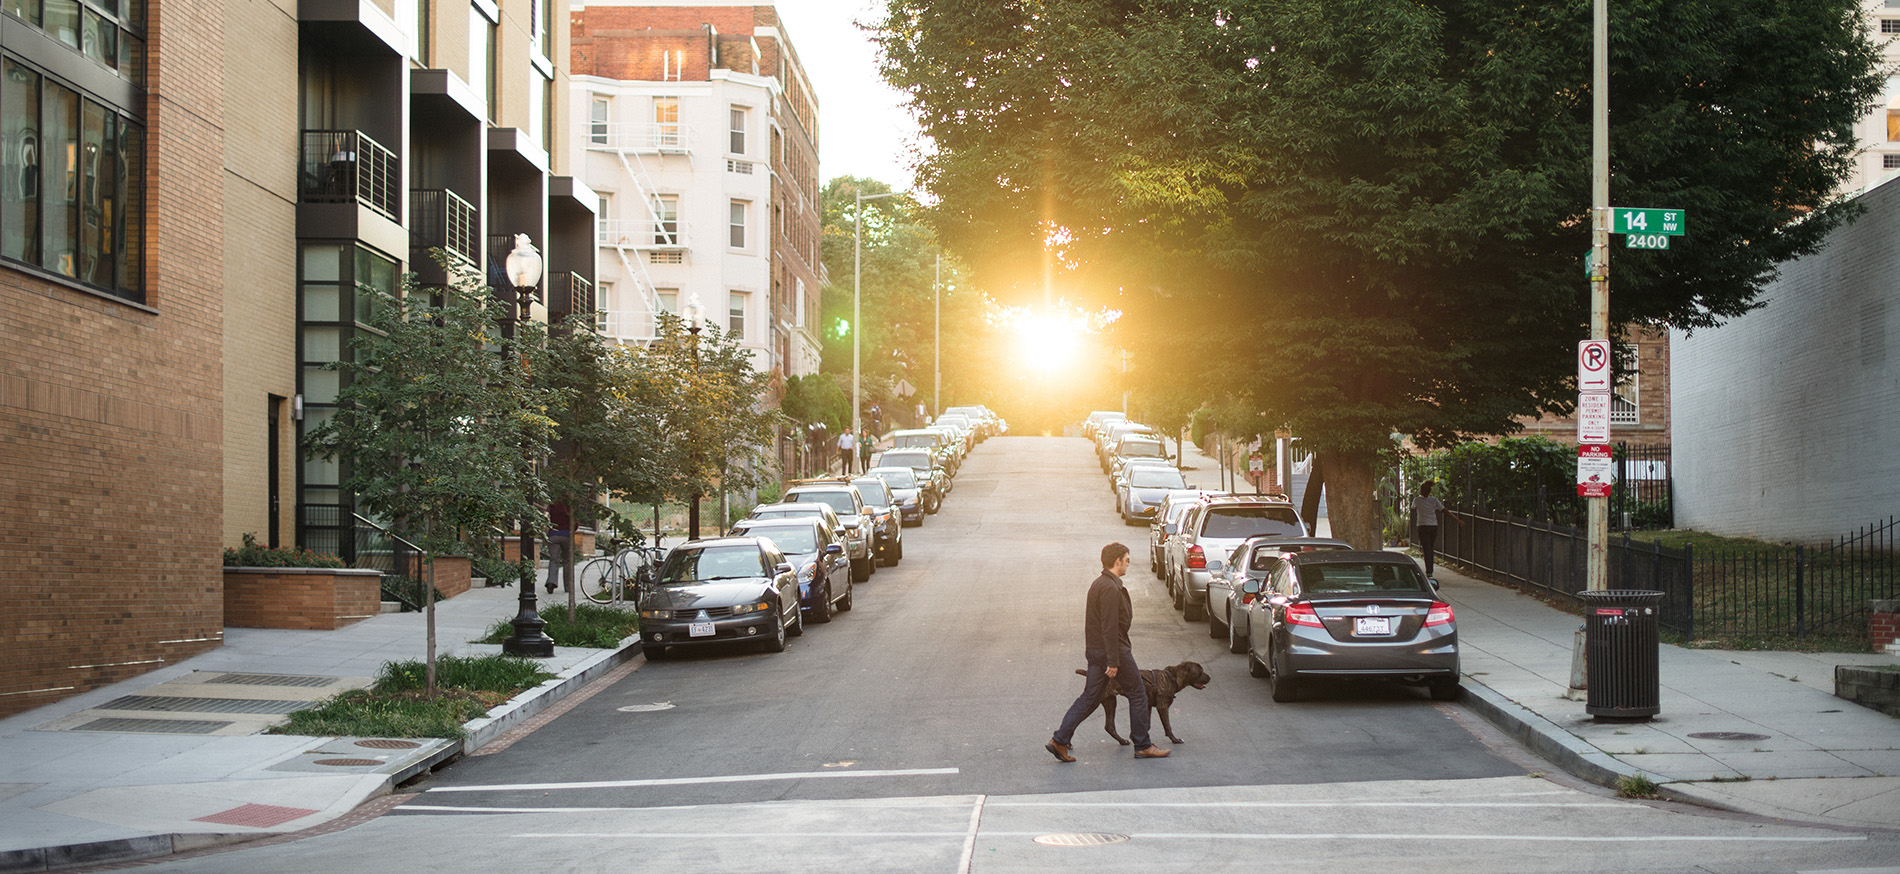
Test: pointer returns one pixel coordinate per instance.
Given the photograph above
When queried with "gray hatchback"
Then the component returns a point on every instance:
(1337, 614)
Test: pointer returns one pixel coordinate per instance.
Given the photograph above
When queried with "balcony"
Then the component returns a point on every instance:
(439, 218)
(345, 166)
(571, 295)
(656, 139)
(642, 234)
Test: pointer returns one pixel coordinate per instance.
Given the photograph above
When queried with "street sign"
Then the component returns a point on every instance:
(1593, 365)
(1672, 222)
(1646, 241)
(1593, 417)
(1596, 471)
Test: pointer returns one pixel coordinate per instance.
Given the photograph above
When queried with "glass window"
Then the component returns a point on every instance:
(129, 231)
(735, 312)
(669, 302)
(59, 127)
(27, 9)
(20, 187)
(597, 121)
(322, 344)
(736, 225)
(737, 131)
(62, 21)
(666, 219)
(666, 121)
(96, 194)
(1237, 522)
(379, 275)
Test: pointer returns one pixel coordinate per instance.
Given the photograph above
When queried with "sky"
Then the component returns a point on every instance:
(863, 128)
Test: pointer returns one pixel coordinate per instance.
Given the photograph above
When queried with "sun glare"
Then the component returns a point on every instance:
(1048, 343)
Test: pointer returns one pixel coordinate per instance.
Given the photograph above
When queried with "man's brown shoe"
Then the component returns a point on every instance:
(1151, 752)
(1061, 750)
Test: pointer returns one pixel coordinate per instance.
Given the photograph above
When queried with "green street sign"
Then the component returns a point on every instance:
(1668, 222)
(1646, 241)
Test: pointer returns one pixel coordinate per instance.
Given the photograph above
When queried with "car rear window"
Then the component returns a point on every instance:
(1153, 478)
(839, 501)
(873, 491)
(790, 538)
(910, 458)
(1354, 577)
(1251, 521)
(1141, 449)
(686, 566)
(898, 477)
(915, 441)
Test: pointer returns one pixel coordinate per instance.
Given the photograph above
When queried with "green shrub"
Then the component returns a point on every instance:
(595, 625)
(475, 673)
(396, 705)
(252, 554)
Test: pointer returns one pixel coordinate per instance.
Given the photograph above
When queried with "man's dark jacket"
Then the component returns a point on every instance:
(1109, 615)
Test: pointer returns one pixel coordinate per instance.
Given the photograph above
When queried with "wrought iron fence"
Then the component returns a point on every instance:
(440, 218)
(1793, 591)
(1641, 499)
(340, 166)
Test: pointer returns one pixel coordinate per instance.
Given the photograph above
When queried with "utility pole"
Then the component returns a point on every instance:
(1597, 566)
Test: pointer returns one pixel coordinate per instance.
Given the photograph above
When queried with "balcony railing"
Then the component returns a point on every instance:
(653, 138)
(439, 218)
(571, 295)
(340, 166)
(642, 233)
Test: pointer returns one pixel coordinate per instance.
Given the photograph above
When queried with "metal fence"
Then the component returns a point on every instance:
(1642, 498)
(439, 218)
(340, 166)
(1794, 591)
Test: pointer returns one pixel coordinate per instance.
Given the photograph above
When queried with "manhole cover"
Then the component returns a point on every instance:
(382, 743)
(1727, 735)
(646, 708)
(1080, 839)
(350, 763)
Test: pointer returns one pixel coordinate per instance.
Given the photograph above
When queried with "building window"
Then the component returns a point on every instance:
(735, 313)
(1623, 402)
(605, 304)
(106, 31)
(333, 307)
(76, 209)
(672, 65)
(1890, 25)
(666, 220)
(1890, 161)
(669, 303)
(597, 121)
(737, 131)
(606, 205)
(736, 225)
(666, 121)
(547, 116)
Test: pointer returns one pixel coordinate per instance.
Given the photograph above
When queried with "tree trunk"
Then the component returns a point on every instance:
(428, 609)
(1315, 482)
(1352, 501)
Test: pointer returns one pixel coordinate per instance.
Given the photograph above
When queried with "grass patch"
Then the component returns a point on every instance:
(396, 705)
(1636, 786)
(595, 625)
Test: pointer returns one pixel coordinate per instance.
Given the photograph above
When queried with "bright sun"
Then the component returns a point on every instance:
(1048, 343)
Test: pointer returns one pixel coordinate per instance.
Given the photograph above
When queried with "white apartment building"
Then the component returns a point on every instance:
(1879, 130)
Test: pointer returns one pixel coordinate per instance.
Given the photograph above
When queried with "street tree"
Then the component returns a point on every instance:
(719, 429)
(1385, 200)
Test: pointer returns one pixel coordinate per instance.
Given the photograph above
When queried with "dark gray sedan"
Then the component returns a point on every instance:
(1333, 615)
(721, 590)
(1252, 560)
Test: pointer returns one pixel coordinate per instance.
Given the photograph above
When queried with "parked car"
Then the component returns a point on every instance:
(859, 525)
(1118, 475)
(921, 438)
(816, 554)
(1166, 524)
(920, 461)
(914, 497)
(1097, 418)
(721, 590)
(1331, 614)
(1142, 490)
(1114, 434)
(824, 511)
(887, 540)
(1251, 561)
(1211, 531)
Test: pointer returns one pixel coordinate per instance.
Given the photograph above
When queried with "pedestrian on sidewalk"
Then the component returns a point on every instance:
(1426, 511)
(865, 444)
(1105, 645)
(560, 547)
(847, 449)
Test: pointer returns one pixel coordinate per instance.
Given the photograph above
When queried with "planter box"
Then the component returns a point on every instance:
(320, 599)
(451, 575)
(583, 546)
(1872, 687)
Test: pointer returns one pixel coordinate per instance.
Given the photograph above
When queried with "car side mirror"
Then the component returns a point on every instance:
(833, 549)
(784, 568)
(1250, 587)
(1171, 528)
(1434, 584)
(1215, 565)
(851, 524)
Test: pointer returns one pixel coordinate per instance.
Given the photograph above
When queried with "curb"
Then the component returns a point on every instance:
(1546, 739)
(481, 732)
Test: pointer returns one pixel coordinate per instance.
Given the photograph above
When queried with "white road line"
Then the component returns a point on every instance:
(751, 834)
(969, 842)
(1211, 804)
(688, 781)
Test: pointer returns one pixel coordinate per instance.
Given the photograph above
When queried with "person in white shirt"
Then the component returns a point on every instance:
(1426, 511)
(847, 450)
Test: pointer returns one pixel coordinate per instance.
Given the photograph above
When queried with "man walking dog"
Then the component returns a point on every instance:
(1109, 654)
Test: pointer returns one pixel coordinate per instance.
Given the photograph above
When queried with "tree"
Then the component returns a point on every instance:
(438, 432)
(1387, 199)
(717, 427)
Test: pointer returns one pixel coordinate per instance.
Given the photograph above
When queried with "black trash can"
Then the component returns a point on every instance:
(1619, 645)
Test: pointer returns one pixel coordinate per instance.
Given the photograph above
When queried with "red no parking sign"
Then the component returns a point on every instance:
(1596, 470)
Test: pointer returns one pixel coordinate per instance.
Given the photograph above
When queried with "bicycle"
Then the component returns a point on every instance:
(622, 577)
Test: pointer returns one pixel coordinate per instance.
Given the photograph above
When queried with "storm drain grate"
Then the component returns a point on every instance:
(1080, 839)
(272, 680)
(1727, 735)
(153, 726)
(381, 743)
(351, 763)
(170, 704)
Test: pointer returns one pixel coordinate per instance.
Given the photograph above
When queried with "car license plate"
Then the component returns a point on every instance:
(700, 629)
(1372, 626)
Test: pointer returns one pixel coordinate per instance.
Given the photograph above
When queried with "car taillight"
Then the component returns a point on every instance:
(1439, 614)
(1196, 559)
(1303, 614)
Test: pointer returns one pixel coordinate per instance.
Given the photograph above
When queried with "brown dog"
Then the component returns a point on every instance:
(1161, 686)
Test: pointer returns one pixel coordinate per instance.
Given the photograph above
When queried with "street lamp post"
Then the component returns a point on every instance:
(857, 305)
(693, 313)
(523, 267)
(936, 339)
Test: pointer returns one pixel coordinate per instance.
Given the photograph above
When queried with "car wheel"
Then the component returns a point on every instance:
(1215, 630)
(844, 603)
(1236, 639)
(1285, 688)
(1446, 690)
(860, 569)
(1255, 667)
(1180, 597)
(932, 505)
(654, 653)
(775, 643)
(900, 552)
(821, 612)
(1154, 561)
(798, 625)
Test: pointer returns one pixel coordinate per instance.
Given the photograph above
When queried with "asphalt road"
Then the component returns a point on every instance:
(907, 735)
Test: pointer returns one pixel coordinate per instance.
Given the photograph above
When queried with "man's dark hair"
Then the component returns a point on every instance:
(1426, 489)
(1112, 553)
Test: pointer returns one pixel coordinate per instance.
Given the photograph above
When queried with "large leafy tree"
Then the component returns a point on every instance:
(718, 430)
(1368, 215)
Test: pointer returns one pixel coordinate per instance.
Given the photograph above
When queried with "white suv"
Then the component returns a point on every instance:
(1209, 533)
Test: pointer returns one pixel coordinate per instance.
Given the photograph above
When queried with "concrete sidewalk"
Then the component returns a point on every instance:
(171, 760)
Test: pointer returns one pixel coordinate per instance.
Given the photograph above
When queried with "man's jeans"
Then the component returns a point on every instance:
(1132, 687)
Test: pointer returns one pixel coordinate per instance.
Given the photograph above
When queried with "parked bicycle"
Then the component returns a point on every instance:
(622, 577)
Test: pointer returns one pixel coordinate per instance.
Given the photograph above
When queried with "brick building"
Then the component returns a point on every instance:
(174, 278)
(1639, 407)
